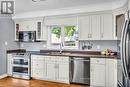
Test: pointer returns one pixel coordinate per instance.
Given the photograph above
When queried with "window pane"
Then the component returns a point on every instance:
(71, 35)
(56, 35)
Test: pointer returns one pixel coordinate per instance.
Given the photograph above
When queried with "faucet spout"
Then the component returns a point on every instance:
(61, 47)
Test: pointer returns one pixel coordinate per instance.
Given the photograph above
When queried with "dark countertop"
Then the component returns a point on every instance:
(16, 51)
(70, 53)
(77, 55)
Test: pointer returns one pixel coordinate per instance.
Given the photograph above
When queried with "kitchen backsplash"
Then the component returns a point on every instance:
(35, 46)
(92, 45)
(99, 45)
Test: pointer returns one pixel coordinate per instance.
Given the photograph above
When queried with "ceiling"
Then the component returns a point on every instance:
(27, 5)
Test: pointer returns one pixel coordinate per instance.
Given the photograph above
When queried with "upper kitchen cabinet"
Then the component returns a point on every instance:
(84, 27)
(128, 4)
(107, 27)
(96, 27)
(28, 25)
(31, 25)
(65, 20)
(89, 27)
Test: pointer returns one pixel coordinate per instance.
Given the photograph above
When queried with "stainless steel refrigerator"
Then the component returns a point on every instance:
(124, 53)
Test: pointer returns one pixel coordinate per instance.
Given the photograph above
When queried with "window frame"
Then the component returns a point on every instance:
(62, 37)
(51, 27)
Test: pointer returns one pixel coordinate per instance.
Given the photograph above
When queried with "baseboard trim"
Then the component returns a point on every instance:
(3, 76)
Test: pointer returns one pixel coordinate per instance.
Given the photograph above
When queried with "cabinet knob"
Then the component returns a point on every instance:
(97, 60)
(102, 35)
(27, 27)
(88, 35)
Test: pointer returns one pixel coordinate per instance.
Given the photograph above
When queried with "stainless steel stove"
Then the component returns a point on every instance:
(21, 65)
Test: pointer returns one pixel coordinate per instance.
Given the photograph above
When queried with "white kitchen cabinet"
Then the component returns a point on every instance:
(28, 25)
(31, 25)
(103, 72)
(9, 64)
(63, 72)
(89, 27)
(41, 31)
(50, 68)
(37, 66)
(84, 28)
(97, 68)
(96, 27)
(128, 4)
(51, 71)
(111, 73)
(107, 27)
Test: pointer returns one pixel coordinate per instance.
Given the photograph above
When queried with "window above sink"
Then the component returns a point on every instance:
(66, 34)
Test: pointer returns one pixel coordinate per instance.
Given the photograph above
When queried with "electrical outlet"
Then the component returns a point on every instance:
(6, 43)
(98, 47)
(22, 45)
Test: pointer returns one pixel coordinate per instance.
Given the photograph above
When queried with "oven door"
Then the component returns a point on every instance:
(22, 61)
(20, 70)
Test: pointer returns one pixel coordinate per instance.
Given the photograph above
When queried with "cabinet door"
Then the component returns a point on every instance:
(95, 27)
(129, 4)
(84, 28)
(38, 67)
(16, 31)
(27, 26)
(63, 74)
(9, 64)
(39, 30)
(51, 70)
(97, 75)
(107, 27)
(111, 73)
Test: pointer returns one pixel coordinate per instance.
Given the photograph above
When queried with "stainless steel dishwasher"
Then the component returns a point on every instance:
(80, 70)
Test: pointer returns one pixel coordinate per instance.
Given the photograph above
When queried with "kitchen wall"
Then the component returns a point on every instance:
(100, 45)
(96, 45)
(36, 46)
(6, 40)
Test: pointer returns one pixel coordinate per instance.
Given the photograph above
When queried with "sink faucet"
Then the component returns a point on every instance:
(61, 45)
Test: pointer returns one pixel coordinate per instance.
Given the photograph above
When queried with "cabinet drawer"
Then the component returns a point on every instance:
(37, 73)
(98, 60)
(37, 58)
(47, 58)
(38, 64)
(62, 58)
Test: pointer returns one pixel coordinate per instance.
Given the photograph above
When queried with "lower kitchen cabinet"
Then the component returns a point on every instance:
(97, 76)
(50, 68)
(103, 72)
(9, 64)
(63, 72)
(37, 66)
(111, 73)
